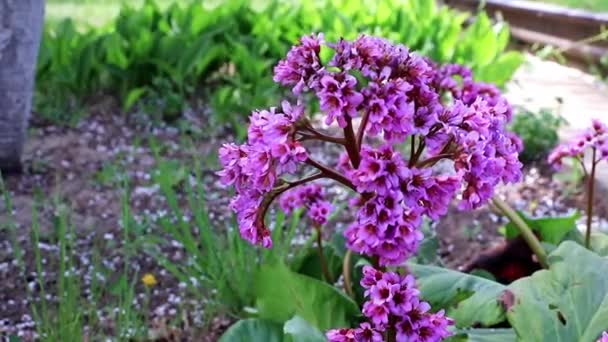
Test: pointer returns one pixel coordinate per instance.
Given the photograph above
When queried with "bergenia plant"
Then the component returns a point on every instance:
(399, 116)
(595, 141)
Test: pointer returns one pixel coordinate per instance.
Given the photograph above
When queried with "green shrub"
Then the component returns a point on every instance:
(223, 53)
(538, 132)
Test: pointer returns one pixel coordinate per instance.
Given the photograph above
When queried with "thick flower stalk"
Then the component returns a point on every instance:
(594, 139)
(415, 136)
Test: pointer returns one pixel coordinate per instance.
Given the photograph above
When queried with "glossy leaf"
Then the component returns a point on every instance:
(468, 299)
(253, 329)
(567, 302)
(298, 330)
(282, 294)
(483, 335)
(551, 229)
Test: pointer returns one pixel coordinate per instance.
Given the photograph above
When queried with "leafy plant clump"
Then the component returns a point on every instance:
(402, 100)
(162, 58)
(538, 132)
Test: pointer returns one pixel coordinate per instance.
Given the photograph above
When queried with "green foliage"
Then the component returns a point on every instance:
(538, 132)
(592, 5)
(552, 230)
(468, 299)
(599, 243)
(159, 57)
(298, 330)
(220, 260)
(568, 302)
(281, 294)
(483, 335)
(253, 329)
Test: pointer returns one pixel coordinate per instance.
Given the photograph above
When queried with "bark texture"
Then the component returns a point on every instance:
(21, 24)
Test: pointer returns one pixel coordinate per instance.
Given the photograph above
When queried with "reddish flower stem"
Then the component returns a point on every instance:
(314, 134)
(361, 131)
(590, 191)
(261, 213)
(328, 172)
(351, 144)
(418, 153)
(432, 160)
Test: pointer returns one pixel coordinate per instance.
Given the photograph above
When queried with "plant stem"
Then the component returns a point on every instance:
(361, 131)
(432, 160)
(348, 287)
(391, 335)
(412, 146)
(351, 144)
(322, 260)
(524, 230)
(320, 136)
(590, 190)
(418, 153)
(331, 173)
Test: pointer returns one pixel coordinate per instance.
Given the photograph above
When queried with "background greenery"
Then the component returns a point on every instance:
(592, 5)
(157, 56)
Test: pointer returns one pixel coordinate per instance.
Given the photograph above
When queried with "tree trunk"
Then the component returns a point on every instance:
(21, 24)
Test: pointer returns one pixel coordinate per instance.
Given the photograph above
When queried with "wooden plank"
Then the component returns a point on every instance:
(557, 21)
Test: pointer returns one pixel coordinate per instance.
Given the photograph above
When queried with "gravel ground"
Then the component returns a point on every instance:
(72, 168)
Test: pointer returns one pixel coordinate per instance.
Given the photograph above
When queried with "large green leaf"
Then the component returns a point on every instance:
(483, 335)
(567, 302)
(254, 329)
(468, 299)
(282, 294)
(502, 69)
(298, 330)
(551, 229)
(310, 263)
(599, 243)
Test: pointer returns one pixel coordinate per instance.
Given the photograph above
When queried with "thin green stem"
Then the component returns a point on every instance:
(524, 230)
(348, 286)
(412, 146)
(590, 191)
(322, 260)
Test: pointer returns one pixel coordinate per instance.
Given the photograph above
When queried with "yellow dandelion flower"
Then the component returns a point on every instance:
(149, 280)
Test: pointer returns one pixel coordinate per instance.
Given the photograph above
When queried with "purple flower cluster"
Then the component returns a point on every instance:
(398, 95)
(393, 302)
(486, 154)
(302, 67)
(595, 138)
(604, 337)
(311, 197)
(418, 114)
(254, 168)
(395, 198)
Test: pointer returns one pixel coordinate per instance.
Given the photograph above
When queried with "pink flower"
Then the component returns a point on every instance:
(302, 65)
(319, 212)
(338, 97)
(341, 335)
(595, 137)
